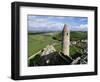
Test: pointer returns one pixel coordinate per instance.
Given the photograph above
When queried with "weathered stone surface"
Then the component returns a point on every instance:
(49, 49)
(66, 40)
(76, 60)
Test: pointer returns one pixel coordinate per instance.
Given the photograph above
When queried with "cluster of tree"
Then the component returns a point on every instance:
(74, 36)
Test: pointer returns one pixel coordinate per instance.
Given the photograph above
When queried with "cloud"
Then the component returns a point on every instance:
(44, 26)
(84, 19)
(31, 18)
(82, 27)
(54, 23)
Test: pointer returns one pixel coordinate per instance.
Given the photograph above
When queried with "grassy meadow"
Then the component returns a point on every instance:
(38, 41)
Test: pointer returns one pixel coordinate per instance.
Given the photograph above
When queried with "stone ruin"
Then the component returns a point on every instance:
(49, 55)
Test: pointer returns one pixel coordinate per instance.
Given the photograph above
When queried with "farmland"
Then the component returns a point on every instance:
(38, 41)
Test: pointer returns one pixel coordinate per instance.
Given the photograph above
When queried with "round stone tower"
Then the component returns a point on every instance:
(65, 40)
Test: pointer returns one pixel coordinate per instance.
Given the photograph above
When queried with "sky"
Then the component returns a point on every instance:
(40, 23)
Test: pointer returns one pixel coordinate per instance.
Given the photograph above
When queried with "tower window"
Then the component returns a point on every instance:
(67, 33)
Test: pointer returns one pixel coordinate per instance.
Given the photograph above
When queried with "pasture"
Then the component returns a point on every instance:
(38, 41)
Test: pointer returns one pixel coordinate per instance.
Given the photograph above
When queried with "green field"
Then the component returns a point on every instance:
(38, 41)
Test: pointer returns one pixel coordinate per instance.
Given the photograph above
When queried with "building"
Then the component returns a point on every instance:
(65, 40)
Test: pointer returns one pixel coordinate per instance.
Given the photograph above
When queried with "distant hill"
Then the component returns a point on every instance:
(78, 35)
(74, 35)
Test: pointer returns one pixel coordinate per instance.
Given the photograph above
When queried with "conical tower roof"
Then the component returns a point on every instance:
(65, 27)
